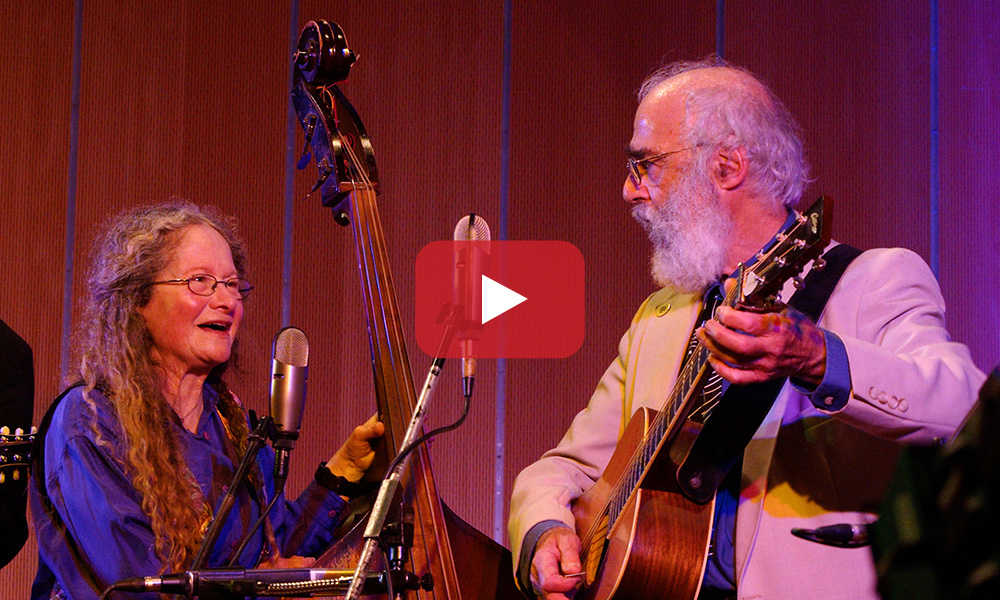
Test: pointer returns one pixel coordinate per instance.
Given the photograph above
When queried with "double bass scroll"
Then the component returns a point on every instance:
(461, 561)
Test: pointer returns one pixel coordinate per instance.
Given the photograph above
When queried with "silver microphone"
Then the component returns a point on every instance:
(471, 260)
(289, 372)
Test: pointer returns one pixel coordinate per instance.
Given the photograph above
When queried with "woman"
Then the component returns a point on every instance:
(137, 457)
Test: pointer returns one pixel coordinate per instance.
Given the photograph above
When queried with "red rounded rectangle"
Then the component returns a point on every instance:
(547, 323)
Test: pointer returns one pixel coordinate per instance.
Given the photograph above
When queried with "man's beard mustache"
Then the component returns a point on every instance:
(690, 231)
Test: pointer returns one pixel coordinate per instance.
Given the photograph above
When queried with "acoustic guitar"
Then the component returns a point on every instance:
(645, 525)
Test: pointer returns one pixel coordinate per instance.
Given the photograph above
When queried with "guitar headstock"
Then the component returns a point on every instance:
(786, 256)
(15, 454)
(333, 130)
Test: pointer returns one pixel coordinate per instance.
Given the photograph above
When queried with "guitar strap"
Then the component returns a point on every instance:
(742, 408)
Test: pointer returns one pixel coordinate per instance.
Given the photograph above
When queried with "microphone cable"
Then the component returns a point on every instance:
(423, 438)
(258, 523)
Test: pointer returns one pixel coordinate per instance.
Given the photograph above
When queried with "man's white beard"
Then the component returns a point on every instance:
(690, 231)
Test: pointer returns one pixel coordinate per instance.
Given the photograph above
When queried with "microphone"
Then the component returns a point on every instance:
(232, 581)
(289, 372)
(842, 535)
(471, 259)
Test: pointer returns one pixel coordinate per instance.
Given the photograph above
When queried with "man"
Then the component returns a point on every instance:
(17, 390)
(716, 164)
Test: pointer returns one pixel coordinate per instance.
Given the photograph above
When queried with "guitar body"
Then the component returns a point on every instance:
(658, 545)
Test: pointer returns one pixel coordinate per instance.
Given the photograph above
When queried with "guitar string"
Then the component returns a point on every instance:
(692, 373)
(646, 448)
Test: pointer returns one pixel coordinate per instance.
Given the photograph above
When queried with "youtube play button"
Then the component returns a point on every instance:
(514, 299)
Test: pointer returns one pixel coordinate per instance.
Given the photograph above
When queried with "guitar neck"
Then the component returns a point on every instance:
(664, 427)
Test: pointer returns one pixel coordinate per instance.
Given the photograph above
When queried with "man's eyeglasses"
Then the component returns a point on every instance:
(204, 285)
(637, 167)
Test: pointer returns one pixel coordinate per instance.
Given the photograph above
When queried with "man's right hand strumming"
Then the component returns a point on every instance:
(555, 567)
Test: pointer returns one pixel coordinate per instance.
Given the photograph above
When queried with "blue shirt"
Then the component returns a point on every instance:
(100, 511)
(830, 395)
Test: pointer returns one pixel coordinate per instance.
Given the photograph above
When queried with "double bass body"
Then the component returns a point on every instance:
(461, 561)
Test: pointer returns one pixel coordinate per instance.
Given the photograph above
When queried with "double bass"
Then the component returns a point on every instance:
(460, 561)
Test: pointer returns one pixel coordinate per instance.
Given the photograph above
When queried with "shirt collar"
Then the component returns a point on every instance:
(210, 400)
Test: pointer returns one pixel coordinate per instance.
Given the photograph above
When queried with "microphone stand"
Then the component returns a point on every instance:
(390, 482)
(255, 442)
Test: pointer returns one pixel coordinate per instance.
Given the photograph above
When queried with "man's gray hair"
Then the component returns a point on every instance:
(742, 112)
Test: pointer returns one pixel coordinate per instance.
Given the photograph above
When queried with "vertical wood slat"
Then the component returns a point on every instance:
(969, 143)
(856, 77)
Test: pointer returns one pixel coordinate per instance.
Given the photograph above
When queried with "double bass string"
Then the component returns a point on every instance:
(322, 107)
(391, 366)
(377, 280)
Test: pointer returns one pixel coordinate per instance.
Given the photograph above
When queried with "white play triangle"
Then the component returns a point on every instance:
(497, 299)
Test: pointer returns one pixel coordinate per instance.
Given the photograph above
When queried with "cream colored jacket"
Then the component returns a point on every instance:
(804, 467)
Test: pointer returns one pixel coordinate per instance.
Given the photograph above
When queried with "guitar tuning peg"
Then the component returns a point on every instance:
(819, 264)
(798, 283)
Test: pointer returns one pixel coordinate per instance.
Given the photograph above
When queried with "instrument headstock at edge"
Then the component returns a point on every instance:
(15, 454)
(333, 131)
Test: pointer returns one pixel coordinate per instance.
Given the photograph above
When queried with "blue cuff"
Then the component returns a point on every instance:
(832, 393)
(528, 552)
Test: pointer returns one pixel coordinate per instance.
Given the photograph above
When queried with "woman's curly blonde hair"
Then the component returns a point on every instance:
(114, 347)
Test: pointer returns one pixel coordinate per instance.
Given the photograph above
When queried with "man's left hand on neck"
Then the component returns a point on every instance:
(750, 347)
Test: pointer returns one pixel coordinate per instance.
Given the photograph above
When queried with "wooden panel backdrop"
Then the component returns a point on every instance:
(35, 95)
(191, 99)
(867, 140)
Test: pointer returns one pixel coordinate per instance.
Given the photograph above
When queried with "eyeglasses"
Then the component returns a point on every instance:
(637, 167)
(204, 285)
